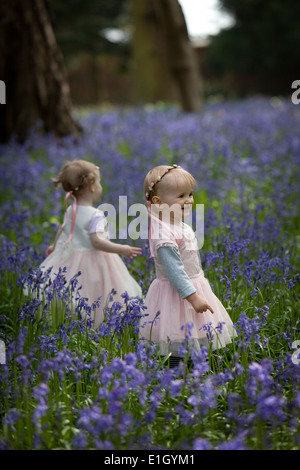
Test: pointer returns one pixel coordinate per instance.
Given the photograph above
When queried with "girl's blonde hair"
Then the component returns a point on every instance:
(76, 175)
(154, 177)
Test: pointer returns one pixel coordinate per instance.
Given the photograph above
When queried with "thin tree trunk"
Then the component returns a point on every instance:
(152, 78)
(181, 56)
(33, 70)
(165, 65)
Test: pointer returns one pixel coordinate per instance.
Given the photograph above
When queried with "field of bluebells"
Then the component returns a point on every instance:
(65, 384)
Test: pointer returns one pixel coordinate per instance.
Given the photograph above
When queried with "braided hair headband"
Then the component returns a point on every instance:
(153, 183)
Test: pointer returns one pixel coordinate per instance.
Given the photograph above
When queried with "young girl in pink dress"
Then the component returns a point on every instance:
(82, 243)
(180, 293)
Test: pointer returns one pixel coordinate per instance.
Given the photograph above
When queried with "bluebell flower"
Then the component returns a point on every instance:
(201, 444)
(200, 362)
(48, 343)
(80, 441)
(176, 387)
(11, 417)
(235, 444)
(271, 408)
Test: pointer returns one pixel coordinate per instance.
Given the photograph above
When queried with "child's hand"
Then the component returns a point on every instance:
(130, 251)
(199, 304)
(49, 250)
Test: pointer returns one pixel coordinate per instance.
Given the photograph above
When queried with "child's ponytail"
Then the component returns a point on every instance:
(75, 176)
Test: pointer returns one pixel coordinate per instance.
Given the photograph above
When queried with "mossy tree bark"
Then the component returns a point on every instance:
(164, 62)
(32, 68)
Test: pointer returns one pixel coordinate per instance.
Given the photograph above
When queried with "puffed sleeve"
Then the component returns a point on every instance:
(98, 223)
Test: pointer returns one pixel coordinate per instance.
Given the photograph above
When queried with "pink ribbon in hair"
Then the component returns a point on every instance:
(73, 214)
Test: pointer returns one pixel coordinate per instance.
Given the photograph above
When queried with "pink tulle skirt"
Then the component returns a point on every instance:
(177, 319)
(100, 273)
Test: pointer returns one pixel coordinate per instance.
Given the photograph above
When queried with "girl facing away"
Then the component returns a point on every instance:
(180, 292)
(82, 243)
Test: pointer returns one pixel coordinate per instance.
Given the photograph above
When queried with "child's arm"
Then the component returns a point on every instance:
(198, 303)
(174, 269)
(51, 248)
(110, 247)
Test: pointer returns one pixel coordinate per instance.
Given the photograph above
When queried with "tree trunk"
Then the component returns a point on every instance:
(182, 60)
(152, 78)
(33, 70)
(165, 64)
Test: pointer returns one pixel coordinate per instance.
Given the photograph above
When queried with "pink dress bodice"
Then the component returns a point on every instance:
(183, 238)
